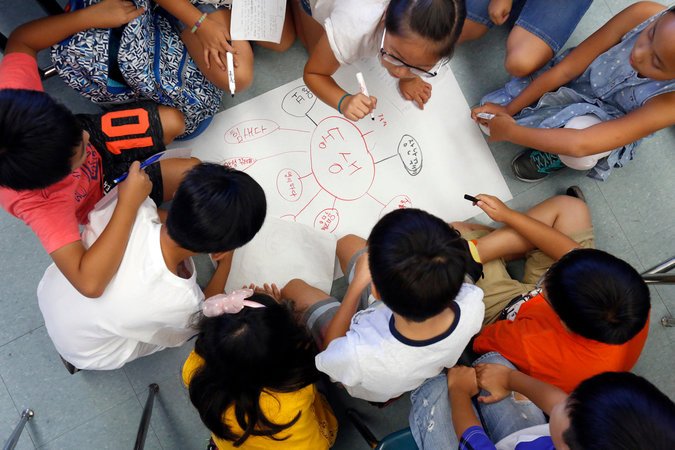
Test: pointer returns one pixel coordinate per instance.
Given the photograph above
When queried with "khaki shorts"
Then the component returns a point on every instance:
(500, 288)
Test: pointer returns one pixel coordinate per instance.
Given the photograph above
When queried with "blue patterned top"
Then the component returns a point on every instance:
(608, 89)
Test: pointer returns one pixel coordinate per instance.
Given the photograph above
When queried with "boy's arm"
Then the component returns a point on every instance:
(219, 279)
(339, 324)
(462, 386)
(39, 34)
(500, 380)
(90, 270)
(318, 75)
(547, 239)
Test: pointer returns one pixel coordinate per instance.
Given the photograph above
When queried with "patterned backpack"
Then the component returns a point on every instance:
(145, 59)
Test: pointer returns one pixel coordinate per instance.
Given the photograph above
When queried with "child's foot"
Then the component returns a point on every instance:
(532, 165)
(575, 191)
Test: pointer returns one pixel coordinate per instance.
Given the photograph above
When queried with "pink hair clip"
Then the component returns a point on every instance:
(230, 303)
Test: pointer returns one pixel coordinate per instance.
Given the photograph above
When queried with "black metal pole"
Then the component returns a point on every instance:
(145, 419)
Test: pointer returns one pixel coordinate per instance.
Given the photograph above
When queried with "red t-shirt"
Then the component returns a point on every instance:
(53, 213)
(539, 345)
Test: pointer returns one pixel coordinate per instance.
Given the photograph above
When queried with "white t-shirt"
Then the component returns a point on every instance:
(145, 308)
(354, 27)
(374, 362)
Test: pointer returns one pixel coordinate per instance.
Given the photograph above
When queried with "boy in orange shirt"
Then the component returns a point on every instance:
(586, 311)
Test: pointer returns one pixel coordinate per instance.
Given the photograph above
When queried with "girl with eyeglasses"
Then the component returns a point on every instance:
(413, 39)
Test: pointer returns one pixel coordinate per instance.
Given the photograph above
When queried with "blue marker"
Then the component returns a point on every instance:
(144, 164)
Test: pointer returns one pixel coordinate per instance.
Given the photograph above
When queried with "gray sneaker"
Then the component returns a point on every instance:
(532, 165)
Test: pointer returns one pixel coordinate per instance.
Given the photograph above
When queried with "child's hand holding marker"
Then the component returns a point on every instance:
(136, 188)
(492, 206)
(364, 90)
(355, 107)
(494, 121)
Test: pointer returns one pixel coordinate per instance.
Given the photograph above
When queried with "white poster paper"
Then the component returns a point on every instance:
(281, 251)
(257, 20)
(339, 176)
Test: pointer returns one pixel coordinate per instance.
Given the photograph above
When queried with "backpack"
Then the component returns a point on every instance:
(145, 59)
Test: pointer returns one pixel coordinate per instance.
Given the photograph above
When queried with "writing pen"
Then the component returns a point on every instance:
(144, 164)
(230, 73)
(364, 89)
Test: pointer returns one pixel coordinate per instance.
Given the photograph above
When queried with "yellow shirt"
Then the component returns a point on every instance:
(315, 429)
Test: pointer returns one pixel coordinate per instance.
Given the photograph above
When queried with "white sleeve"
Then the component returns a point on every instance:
(340, 362)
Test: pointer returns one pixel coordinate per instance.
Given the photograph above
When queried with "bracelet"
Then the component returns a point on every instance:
(198, 23)
(340, 102)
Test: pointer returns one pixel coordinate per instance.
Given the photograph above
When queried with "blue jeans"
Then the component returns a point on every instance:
(553, 21)
(431, 418)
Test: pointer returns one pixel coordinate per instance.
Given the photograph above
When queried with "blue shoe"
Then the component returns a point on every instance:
(532, 165)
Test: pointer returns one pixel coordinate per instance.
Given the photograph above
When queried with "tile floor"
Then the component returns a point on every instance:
(633, 214)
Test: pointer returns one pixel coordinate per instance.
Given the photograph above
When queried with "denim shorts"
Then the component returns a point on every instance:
(553, 21)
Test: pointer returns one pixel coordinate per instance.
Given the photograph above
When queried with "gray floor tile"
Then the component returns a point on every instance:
(640, 194)
(596, 16)
(19, 278)
(656, 362)
(35, 376)
(157, 367)
(9, 418)
(174, 420)
(115, 429)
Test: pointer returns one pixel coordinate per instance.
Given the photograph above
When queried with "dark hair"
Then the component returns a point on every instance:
(245, 353)
(619, 411)
(38, 137)
(216, 209)
(440, 21)
(598, 296)
(417, 263)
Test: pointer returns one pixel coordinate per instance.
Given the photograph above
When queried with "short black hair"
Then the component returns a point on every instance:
(216, 209)
(598, 296)
(417, 263)
(439, 21)
(619, 411)
(38, 138)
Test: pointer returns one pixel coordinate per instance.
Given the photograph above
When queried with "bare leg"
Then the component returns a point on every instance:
(525, 52)
(472, 30)
(347, 247)
(302, 295)
(173, 123)
(287, 35)
(173, 171)
(564, 213)
(465, 227)
(243, 73)
(306, 27)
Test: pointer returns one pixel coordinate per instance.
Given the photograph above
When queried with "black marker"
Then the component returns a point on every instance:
(471, 198)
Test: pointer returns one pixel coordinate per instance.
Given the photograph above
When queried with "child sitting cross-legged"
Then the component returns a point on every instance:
(55, 166)
(252, 377)
(148, 304)
(612, 410)
(417, 265)
(595, 104)
(578, 312)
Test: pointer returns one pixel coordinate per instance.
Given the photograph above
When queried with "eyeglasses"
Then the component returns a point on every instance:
(391, 59)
